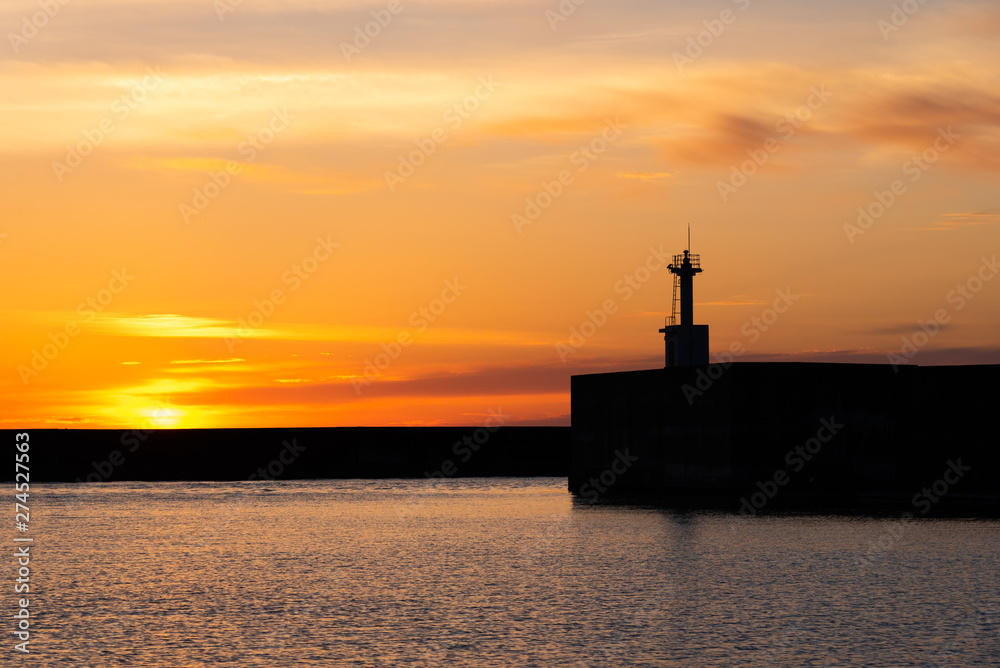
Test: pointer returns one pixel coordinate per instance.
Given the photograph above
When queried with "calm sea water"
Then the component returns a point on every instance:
(490, 572)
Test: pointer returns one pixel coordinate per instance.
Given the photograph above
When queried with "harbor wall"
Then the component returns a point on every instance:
(100, 455)
(844, 435)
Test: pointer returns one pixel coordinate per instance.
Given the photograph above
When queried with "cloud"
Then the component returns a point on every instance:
(645, 176)
(927, 357)
(902, 329)
(165, 325)
(543, 379)
(953, 221)
(911, 115)
(732, 303)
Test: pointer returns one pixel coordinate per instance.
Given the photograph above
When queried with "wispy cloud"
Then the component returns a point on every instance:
(166, 325)
(743, 302)
(650, 176)
(953, 221)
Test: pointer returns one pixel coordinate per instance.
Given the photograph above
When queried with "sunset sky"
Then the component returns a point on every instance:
(219, 214)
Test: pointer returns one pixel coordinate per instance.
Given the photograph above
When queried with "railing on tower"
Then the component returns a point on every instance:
(695, 260)
(675, 304)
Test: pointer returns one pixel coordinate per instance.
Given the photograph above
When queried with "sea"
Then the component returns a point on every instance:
(486, 572)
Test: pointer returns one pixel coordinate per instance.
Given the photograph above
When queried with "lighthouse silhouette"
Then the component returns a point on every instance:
(686, 343)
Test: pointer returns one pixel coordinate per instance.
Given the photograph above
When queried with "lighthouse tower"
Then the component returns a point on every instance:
(686, 343)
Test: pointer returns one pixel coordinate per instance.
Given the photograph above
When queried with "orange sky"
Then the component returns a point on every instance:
(251, 214)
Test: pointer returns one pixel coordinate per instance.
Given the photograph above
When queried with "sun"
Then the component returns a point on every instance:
(149, 413)
(164, 418)
(150, 405)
